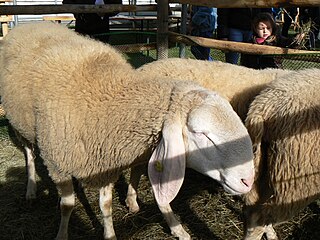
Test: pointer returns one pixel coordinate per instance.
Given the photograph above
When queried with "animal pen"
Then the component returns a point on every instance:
(163, 35)
(205, 209)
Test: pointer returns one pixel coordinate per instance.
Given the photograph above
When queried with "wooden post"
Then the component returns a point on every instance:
(162, 29)
(5, 29)
(183, 30)
(5, 19)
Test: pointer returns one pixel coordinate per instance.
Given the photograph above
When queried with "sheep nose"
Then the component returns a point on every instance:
(248, 182)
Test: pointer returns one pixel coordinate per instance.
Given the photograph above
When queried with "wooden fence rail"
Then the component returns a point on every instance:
(73, 8)
(236, 46)
(250, 3)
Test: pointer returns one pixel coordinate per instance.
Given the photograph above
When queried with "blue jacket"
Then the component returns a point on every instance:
(204, 18)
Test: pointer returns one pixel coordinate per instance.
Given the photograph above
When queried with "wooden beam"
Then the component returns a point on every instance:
(6, 18)
(58, 18)
(72, 8)
(236, 46)
(250, 3)
(162, 29)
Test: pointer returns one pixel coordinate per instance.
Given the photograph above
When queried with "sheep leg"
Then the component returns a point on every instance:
(175, 226)
(271, 233)
(105, 202)
(67, 203)
(254, 233)
(131, 200)
(31, 172)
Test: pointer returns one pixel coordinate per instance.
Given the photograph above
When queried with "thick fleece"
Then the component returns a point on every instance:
(237, 83)
(92, 116)
(284, 125)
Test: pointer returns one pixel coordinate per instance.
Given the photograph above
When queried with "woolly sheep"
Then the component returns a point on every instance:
(92, 116)
(236, 83)
(39, 42)
(283, 122)
(241, 91)
(46, 36)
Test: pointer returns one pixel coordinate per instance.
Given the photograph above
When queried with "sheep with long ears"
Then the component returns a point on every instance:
(281, 111)
(92, 116)
(238, 84)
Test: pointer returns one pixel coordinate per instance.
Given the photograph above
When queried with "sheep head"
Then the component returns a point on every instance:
(203, 133)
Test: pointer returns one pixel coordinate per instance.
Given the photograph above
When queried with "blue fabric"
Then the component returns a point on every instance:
(237, 35)
(203, 25)
(204, 18)
(201, 53)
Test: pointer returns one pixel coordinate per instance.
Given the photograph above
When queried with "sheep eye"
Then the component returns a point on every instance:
(198, 134)
(201, 135)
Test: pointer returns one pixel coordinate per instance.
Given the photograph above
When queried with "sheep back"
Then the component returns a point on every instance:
(91, 114)
(19, 85)
(283, 122)
(237, 83)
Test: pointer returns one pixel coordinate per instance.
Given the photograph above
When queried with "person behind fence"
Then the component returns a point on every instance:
(234, 24)
(203, 24)
(266, 32)
(93, 24)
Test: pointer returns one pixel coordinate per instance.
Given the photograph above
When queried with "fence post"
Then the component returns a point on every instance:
(183, 30)
(162, 29)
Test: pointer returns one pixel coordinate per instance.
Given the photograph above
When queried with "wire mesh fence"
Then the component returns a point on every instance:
(125, 38)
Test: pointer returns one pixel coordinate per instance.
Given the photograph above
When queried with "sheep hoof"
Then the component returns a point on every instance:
(271, 233)
(180, 233)
(111, 238)
(134, 209)
(254, 233)
(31, 194)
(132, 205)
(61, 238)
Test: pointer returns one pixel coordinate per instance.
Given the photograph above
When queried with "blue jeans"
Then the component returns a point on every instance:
(203, 24)
(237, 35)
(202, 53)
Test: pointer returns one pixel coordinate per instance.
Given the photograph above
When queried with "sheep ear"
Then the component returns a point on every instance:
(167, 164)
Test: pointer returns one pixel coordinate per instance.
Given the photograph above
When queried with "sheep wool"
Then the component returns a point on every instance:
(92, 116)
(236, 83)
(283, 122)
(19, 44)
(59, 101)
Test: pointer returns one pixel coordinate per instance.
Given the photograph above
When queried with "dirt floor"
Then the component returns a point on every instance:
(205, 210)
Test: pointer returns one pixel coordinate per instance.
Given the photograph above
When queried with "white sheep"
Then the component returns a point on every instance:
(92, 116)
(237, 84)
(41, 40)
(240, 85)
(284, 123)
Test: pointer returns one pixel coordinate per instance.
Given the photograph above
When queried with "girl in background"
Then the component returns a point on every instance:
(265, 32)
(234, 24)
